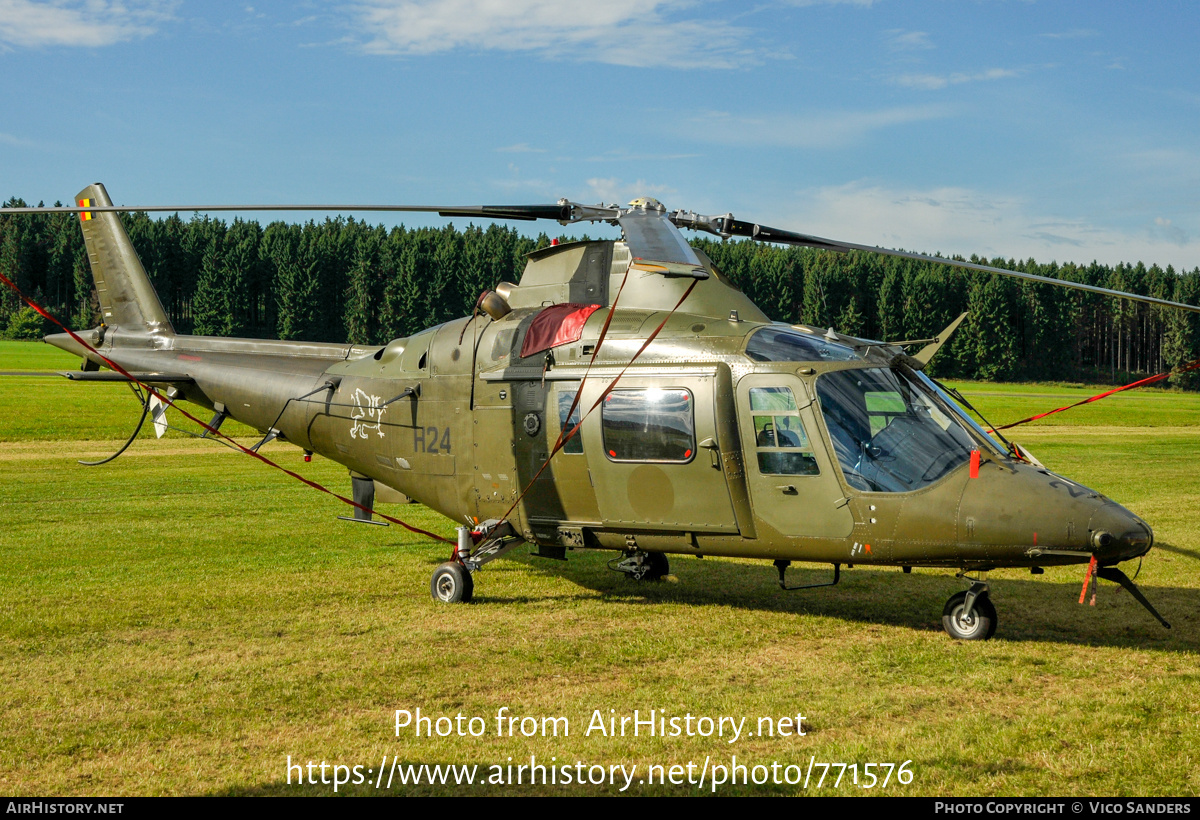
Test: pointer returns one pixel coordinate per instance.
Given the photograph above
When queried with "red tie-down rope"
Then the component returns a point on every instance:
(1140, 383)
(1088, 577)
(212, 430)
(565, 436)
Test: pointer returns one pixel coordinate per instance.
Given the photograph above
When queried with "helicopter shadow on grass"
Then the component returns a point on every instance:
(484, 595)
(1195, 556)
(1029, 610)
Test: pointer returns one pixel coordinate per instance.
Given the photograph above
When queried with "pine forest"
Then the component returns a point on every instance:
(346, 280)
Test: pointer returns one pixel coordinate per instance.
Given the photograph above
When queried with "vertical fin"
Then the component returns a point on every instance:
(127, 299)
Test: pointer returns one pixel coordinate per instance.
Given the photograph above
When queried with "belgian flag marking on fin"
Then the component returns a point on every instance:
(85, 215)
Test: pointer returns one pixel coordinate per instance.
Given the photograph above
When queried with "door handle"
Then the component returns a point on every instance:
(788, 489)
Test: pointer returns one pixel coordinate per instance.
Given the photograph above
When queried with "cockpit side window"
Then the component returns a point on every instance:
(781, 442)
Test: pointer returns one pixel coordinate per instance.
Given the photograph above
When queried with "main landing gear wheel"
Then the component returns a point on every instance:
(452, 584)
(658, 566)
(978, 626)
(642, 566)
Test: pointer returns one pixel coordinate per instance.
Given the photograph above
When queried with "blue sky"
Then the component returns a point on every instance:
(1065, 131)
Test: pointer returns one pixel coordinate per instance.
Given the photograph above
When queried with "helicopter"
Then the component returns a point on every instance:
(625, 395)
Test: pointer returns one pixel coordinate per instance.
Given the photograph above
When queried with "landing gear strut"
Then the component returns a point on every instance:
(452, 582)
(970, 615)
(643, 566)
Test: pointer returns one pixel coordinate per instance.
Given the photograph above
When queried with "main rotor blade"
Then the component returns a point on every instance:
(762, 233)
(525, 212)
(562, 212)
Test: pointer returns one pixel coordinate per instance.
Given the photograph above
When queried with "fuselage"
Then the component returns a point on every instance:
(729, 435)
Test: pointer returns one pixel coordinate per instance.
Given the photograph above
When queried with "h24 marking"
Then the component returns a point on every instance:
(431, 439)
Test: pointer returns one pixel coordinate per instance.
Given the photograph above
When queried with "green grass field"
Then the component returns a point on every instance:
(182, 620)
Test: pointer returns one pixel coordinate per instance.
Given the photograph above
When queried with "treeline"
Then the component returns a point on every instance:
(346, 280)
(340, 279)
(1015, 330)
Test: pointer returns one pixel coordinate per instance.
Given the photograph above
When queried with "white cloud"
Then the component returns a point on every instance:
(17, 142)
(520, 148)
(640, 33)
(1168, 231)
(614, 190)
(541, 186)
(89, 23)
(625, 156)
(901, 40)
(1073, 34)
(1164, 163)
(950, 220)
(819, 130)
(932, 82)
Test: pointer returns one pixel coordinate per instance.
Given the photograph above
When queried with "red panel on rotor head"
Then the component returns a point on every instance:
(556, 325)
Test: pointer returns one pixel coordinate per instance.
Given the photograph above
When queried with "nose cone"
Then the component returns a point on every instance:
(1013, 511)
(1118, 534)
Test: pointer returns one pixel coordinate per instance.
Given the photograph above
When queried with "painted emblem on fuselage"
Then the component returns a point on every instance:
(367, 415)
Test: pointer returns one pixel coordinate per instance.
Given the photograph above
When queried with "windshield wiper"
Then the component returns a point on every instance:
(950, 391)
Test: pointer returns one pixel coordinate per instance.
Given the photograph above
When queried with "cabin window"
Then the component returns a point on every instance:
(780, 440)
(575, 443)
(649, 425)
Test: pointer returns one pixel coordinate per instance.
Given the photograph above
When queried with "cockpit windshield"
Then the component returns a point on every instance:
(890, 432)
(781, 344)
(988, 439)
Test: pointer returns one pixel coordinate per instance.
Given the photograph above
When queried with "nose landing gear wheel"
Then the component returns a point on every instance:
(978, 626)
(452, 584)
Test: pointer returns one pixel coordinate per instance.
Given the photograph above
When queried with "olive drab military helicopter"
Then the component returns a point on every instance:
(625, 395)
